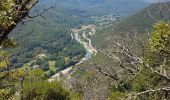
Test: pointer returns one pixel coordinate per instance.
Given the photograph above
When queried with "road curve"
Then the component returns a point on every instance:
(87, 45)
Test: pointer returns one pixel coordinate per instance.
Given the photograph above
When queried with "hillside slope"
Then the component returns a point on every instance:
(101, 7)
(141, 22)
(97, 70)
(50, 36)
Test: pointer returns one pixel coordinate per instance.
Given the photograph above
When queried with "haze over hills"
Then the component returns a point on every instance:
(141, 21)
(99, 7)
(155, 1)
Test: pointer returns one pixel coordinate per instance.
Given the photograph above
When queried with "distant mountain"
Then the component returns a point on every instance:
(155, 1)
(98, 7)
(142, 20)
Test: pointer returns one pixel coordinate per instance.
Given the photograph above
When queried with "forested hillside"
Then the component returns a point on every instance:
(101, 7)
(145, 18)
(50, 36)
(140, 22)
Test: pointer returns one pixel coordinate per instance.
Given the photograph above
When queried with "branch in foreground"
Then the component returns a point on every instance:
(152, 90)
(23, 11)
(41, 12)
(134, 95)
(115, 77)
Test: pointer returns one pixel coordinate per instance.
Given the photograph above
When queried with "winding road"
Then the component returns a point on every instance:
(78, 34)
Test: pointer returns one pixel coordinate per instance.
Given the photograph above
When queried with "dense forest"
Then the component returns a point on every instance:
(84, 50)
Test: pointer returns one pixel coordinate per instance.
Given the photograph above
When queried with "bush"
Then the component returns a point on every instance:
(44, 90)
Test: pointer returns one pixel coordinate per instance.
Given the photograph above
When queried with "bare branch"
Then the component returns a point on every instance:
(108, 74)
(152, 16)
(40, 13)
(33, 4)
(154, 90)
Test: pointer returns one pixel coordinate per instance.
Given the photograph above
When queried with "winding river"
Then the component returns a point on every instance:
(80, 35)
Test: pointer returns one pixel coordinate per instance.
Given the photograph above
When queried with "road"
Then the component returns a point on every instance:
(87, 45)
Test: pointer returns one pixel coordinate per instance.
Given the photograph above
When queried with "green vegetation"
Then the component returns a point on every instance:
(53, 40)
(10, 14)
(36, 87)
(100, 7)
(140, 22)
(21, 83)
(7, 13)
(29, 84)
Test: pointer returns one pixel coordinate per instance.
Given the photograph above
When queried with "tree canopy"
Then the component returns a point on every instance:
(11, 13)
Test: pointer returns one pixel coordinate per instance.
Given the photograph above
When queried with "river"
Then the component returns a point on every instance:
(79, 35)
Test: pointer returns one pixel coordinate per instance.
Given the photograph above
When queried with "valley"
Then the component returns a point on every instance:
(83, 35)
(80, 35)
(85, 50)
(62, 49)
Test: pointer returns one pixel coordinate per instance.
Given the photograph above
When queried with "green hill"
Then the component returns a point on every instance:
(141, 22)
(101, 7)
(50, 36)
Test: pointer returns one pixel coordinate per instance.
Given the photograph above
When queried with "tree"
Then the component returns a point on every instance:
(60, 63)
(159, 47)
(37, 87)
(146, 67)
(11, 13)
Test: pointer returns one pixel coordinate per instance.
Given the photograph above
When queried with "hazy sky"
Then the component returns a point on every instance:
(155, 0)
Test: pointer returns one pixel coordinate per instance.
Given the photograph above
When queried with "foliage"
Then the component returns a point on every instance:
(117, 96)
(7, 78)
(42, 63)
(46, 90)
(9, 81)
(7, 13)
(153, 73)
(62, 63)
(4, 60)
(159, 47)
(117, 92)
(160, 37)
(49, 73)
(56, 43)
(157, 57)
(11, 78)
(37, 87)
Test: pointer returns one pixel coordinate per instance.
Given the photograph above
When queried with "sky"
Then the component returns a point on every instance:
(152, 1)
